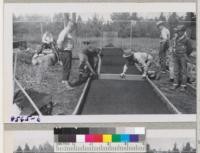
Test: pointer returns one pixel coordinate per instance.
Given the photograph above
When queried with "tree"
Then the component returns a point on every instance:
(173, 21)
(58, 17)
(175, 149)
(35, 149)
(47, 147)
(121, 16)
(40, 148)
(19, 150)
(121, 23)
(190, 23)
(134, 16)
(187, 148)
(27, 148)
(162, 17)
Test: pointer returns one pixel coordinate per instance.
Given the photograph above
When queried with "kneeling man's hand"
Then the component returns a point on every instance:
(122, 75)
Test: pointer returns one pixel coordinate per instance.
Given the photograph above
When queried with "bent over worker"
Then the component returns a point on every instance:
(182, 48)
(142, 59)
(65, 45)
(88, 59)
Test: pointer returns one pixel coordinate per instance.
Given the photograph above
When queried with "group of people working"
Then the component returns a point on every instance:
(62, 53)
(179, 46)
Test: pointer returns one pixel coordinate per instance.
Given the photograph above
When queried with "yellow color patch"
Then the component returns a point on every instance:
(107, 138)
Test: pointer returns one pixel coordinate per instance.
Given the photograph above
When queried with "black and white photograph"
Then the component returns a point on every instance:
(68, 60)
(157, 141)
(104, 63)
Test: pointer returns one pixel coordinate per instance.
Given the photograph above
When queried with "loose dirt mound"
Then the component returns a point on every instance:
(50, 83)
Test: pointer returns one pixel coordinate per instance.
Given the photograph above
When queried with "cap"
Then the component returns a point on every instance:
(159, 23)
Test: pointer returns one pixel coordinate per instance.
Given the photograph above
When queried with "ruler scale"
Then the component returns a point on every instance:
(100, 147)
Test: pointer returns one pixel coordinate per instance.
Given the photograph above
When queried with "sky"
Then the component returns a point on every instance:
(158, 139)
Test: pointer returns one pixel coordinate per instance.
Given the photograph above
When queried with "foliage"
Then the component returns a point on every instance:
(186, 149)
(42, 148)
(94, 27)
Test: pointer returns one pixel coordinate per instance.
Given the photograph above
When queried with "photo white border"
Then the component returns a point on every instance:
(9, 8)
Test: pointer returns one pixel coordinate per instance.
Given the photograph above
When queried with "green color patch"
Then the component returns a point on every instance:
(116, 138)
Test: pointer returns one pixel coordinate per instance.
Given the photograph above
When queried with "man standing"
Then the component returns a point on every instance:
(142, 59)
(171, 55)
(65, 45)
(182, 48)
(164, 44)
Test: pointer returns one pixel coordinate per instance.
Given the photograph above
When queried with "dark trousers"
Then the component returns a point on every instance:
(180, 69)
(162, 54)
(66, 58)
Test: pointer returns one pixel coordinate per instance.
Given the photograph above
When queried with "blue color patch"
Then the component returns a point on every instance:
(134, 138)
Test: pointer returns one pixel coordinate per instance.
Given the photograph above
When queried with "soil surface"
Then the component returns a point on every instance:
(112, 63)
(123, 97)
(48, 80)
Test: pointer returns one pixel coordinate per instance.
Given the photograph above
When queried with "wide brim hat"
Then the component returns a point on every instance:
(127, 53)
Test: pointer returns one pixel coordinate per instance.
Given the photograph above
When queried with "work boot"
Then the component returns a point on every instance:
(67, 85)
(174, 87)
(183, 88)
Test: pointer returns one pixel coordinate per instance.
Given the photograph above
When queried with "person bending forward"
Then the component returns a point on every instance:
(142, 59)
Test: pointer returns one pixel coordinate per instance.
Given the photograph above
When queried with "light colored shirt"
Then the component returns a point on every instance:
(142, 58)
(65, 40)
(164, 34)
(47, 38)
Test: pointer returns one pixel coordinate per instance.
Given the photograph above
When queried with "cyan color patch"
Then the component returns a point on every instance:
(125, 138)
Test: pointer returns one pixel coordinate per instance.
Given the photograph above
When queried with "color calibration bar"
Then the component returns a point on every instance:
(99, 139)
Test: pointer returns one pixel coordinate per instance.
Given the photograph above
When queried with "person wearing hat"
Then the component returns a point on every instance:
(65, 46)
(164, 44)
(141, 58)
(88, 58)
(181, 49)
(47, 42)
